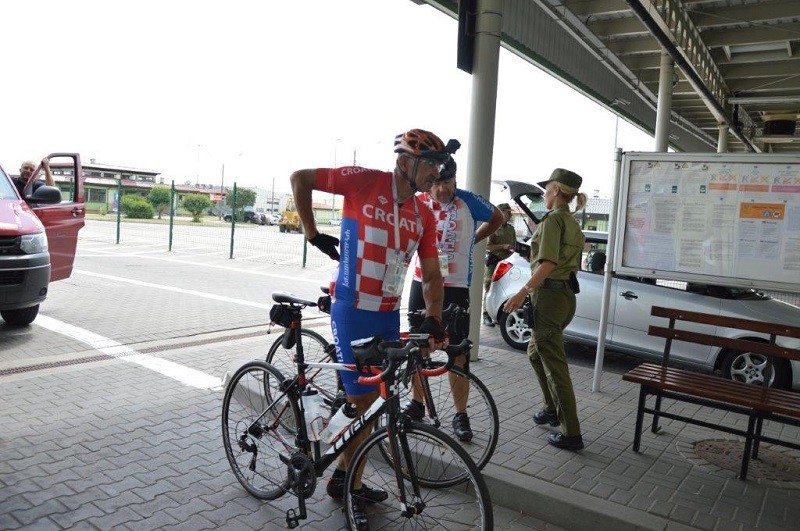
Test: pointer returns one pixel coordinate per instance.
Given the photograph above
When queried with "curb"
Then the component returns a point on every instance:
(566, 507)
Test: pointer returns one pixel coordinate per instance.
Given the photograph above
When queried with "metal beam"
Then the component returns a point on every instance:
(777, 69)
(594, 8)
(722, 57)
(762, 86)
(706, 17)
(765, 100)
(756, 35)
(623, 47)
(617, 27)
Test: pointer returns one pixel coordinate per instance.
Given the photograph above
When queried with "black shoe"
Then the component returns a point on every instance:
(359, 515)
(414, 409)
(487, 321)
(559, 440)
(365, 494)
(461, 427)
(546, 417)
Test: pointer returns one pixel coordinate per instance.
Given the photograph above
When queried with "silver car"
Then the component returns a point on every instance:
(629, 311)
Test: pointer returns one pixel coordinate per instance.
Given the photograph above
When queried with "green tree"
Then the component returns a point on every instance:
(244, 197)
(136, 206)
(196, 204)
(159, 197)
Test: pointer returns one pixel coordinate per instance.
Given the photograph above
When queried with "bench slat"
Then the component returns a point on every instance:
(728, 322)
(743, 345)
(714, 388)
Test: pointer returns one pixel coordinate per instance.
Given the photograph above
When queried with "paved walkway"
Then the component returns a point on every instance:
(110, 444)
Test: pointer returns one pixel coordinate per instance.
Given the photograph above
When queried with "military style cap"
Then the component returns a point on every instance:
(504, 206)
(563, 176)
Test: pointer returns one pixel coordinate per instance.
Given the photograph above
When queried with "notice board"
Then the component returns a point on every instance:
(713, 218)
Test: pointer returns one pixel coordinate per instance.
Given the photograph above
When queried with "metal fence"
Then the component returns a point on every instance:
(241, 241)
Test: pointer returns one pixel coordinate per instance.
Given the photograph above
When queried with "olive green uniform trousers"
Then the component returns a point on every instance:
(553, 309)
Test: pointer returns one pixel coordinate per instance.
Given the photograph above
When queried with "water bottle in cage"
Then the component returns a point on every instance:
(339, 422)
(315, 410)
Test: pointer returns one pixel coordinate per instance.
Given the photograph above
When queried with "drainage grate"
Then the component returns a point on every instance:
(773, 463)
(53, 364)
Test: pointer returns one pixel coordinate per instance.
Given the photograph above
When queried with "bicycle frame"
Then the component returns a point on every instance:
(387, 401)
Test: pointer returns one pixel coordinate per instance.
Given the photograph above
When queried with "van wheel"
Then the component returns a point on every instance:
(750, 368)
(514, 329)
(20, 317)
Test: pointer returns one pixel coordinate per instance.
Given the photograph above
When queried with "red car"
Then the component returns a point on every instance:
(38, 237)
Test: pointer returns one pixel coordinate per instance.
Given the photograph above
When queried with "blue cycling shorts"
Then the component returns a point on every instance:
(349, 324)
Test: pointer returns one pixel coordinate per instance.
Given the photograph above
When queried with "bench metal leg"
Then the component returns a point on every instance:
(757, 441)
(655, 427)
(748, 446)
(637, 434)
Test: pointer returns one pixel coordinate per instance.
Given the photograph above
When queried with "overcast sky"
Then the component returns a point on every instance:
(268, 87)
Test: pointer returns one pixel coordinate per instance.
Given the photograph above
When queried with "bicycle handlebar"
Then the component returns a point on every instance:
(396, 355)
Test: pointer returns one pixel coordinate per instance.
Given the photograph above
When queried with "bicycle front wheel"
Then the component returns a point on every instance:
(481, 410)
(315, 349)
(422, 450)
(257, 429)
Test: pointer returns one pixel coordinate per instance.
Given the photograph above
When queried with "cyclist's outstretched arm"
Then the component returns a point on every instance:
(302, 184)
(488, 228)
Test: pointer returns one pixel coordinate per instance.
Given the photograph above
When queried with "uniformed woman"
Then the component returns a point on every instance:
(555, 255)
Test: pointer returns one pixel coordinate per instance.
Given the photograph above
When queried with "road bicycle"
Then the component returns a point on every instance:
(438, 397)
(268, 446)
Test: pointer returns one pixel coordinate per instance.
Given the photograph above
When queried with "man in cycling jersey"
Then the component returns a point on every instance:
(383, 224)
(463, 219)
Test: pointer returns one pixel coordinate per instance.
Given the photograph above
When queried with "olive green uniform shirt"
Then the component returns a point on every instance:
(559, 239)
(505, 235)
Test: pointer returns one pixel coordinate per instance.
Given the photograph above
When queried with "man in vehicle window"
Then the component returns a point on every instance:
(383, 224)
(25, 172)
(463, 219)
(499, 247)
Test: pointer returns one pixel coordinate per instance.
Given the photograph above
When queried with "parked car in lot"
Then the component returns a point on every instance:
(629, 315)
(335, 221)
(248, 217)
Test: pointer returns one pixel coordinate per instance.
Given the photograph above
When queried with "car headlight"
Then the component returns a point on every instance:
(34, 243)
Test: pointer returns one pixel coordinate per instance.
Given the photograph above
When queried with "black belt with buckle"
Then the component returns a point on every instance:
(551, 283)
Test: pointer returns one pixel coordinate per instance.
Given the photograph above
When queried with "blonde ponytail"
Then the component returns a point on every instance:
(571, 193)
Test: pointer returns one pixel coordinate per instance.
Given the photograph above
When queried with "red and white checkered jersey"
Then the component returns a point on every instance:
(456, 224)
(367, 240)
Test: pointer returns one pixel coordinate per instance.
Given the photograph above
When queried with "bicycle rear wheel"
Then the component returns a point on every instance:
(315, 349)
(253, 447)
(481, 410)
(466, 505)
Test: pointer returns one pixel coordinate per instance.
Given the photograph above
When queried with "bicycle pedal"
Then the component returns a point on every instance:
(292, 519)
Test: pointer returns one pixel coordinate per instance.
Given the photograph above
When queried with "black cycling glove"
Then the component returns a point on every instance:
(433, 327)
(327, 244)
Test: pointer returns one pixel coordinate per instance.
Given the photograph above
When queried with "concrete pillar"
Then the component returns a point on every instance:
(722, 141)
(664, 109)
(488, 25)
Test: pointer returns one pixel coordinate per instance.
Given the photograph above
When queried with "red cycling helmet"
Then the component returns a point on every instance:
(421, 143)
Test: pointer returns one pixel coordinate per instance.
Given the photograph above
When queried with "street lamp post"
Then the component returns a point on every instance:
(222, 191)
(272, 210)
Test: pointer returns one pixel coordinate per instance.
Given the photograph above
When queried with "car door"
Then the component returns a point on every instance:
(585, 325)
(631, 317)
(63, 220)
(693, 298)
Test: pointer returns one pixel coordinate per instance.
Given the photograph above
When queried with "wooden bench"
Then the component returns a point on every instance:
(758, 403)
